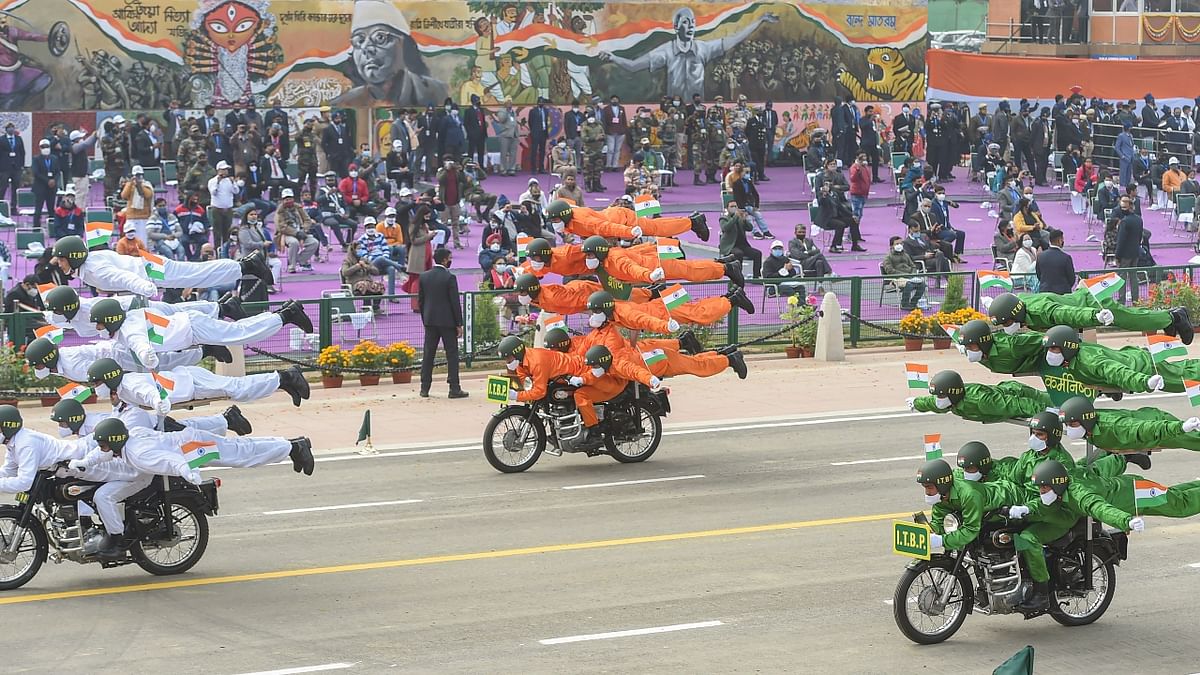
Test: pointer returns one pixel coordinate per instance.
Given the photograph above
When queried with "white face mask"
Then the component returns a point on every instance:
(537, 264)
(898, 248)
(1049, 498)
(354, 174)
(1108, 184)
(1075, 433)
(524, 299)
(596, 320)
(941, 197)
(1027, 243)
(1054, 359)
(512, 365)
(45, 152)
(41, 373)
(102, 390)
(973, 475)
(1036, 443)
(63, 432)
(975, 356)
(592, 263)
(597, 372)
(1011, 329)
(494, 247)
(390, 220)
(942, 402)
(933, 499)
(557, 225)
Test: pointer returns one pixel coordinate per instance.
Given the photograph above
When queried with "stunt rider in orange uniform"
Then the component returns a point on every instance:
(615, 222)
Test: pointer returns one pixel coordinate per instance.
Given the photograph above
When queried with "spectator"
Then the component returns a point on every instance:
(1024, 265)
(802, 248)
(1009, 196)
(491, 252)
(1172, 179)
(860, 185)
(398, 170)
(1189, 185)
(355, 194)
(419, 251)
(393, 234)
(570, 188)
(251, 236)
(476, 196)
(452, 188)
(918, 246)
(441, 314)
(637, 179)
(1004, 242)
(745, 195)
(129, 244)
(898, 261)
(46, 170)
(165, 235)
(1128, 250)
(24, 297)
(495, 227)
(222, 190)
(333, 214)
(1055, 269)
(734, 227)
(534, 193)
(779, 266)
(358, 275)
(616, 125)
(1135, 202)
(1027, 221)
(193, 221)
(138, 196)
(561, 157)
(68, 217)
(372, 247)
(508, 133)
(834, 214)
(1107, 195)
(292, 235)
(943, 230)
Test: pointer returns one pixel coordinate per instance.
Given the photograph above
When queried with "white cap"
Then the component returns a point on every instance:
(1173, 160)
(397, 144)
(222, 165)
(777, 244)
(368, 221)
(533, 180)
(389, 211)
(70, 190)
(405, 192)
(44, 143)
(369, 13)
(76, 135)
(137, 170)
(117, 119)
(287, 192)
(646, 141)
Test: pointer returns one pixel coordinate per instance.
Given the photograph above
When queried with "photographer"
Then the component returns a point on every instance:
(292, 234)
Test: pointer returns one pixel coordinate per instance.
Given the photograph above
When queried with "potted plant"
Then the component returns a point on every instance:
(915, 323)
(15, 373)
(803, 337)
(331, 361)
(367, 356)
(956, 317)
(1174, 291)
(400, 356)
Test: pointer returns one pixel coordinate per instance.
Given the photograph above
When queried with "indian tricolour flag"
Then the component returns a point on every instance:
(52, 333)
(1192, 389)
(74, 391)
(675, 296)
(1105, 285)
(654, 356)
(1148, 493)
(951, 331)
(994, 279)
(156, 328)
(523, 245)
(669, 249)
(155, 266)
(918, 375)
(552, 321)
(646, 206)
(1163, 347)
(199, 453)
(165, 385)
(933, 447)
(43, 289)
(98, 234)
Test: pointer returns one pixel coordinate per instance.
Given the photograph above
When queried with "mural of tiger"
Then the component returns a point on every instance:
(888, 78)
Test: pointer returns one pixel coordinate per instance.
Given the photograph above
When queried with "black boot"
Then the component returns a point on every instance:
(231, 308)
(1183, 325)
(689, 343)
(104, 545)
(218, 352)
(656, 290)
(1039, 597)
(1139, 458)
(292, 381)
(302, 457)
(255, 263)
(171, 424)
(727, 350)
(738, 362)
(733, 270)
(737, 298)
(699, 225)
(732, 257)
(696, 180)
(293, 312)
(237, 422)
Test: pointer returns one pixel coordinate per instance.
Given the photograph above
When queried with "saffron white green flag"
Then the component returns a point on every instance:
(51, 332)
(1192, 389)
(654, 356)
(669, 249)
(1163, 347)
(98, 234)
(646, 206)
(1148, 493)
(199, 453)
(1105, 285)
(74, 391)
(155, 266)
(675, 296)
(994, 279)
(918, 375)
(933, 447)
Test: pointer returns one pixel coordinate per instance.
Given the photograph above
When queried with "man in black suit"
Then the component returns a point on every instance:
(475, 125)
(337, 142)
(46, 170)
(12, 162)
(539, 131)
(1055, 269)
(441, 313)
(1128, 249)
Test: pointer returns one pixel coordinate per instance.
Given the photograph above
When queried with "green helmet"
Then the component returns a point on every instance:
(106, 371)
(540, 250)
(1049, 423)
(557, 339)
(1053, 474)
(10, 420)
(1065, 338)
(69, 412)
(111, 432)
(937, 473)
(597, 246)
(512, 347)
(72, 249)
(976, 332)
(948, 384)
(42, 353)
(559, 209)
(1007, 308)
(598, 356)
(601, 302)
(528, 284)
(109, 314)
(975, 453)
(63, 300)
(1079, 409)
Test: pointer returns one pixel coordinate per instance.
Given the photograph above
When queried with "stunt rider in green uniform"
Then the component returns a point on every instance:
(1080, 310)
(975, 462)
(1000, 352)
(979, 402)
(968, 499)
(1121, 430)
(1045, 443)
(1127, 368)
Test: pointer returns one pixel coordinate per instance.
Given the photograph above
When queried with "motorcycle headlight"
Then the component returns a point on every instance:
(1002, 539)
(562, 395)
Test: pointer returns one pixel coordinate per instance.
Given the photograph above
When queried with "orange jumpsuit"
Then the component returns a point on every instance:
(605, 387)
(705, 364)
(616, 222)
(703, 312)
(543, 365)
(639, 313)
(646, 255)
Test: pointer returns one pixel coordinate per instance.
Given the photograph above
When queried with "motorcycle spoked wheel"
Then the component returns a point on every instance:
(917, 591)
(31, 552)
(513, 440)
(631, 450)
(1083, 607)
(178, 552)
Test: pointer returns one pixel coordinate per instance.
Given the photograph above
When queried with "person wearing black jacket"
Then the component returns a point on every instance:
(1039, 144)
(572, 122)
(756, 135)
(833, 213)
(338, 144)
(1128, 249)
(476, 127)
(903, 126)
(46, 170)
(734, 226)
(428, 139)
(802, 248)
(441, 314)
(869, 140)
(1055, 269)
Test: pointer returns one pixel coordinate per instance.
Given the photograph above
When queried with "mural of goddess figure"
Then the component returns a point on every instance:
(234, 44)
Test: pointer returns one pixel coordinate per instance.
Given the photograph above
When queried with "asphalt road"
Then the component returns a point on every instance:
(767, 550)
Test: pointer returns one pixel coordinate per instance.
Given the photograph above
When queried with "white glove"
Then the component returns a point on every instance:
(935, 540)
(193, 477)
(1105, 316)
(1191, 424)
(575, 381)
(163, 406)
(512, 395)
(658, 275)
(1017, 512)
(77, 466)
(672, 325)
(62, 472)
(986, 302)
(637, 231)
(911, 401)
(1137, 524)
(1155, 383)
(149, 358)
(655, 383)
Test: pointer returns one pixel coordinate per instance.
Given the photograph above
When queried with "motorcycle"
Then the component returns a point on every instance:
(629, 428)
(166, 526)
(934, 596)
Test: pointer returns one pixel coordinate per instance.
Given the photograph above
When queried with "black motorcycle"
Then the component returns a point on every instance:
(166, 526)
(629, 428)
(934, 596)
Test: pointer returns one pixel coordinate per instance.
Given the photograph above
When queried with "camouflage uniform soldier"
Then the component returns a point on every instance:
(196, 179)
(643, 126)
(715, 142)
(113, 148)
(667, 134)
(592, 133)
(186, 155)
(306, 157)
(697, 133)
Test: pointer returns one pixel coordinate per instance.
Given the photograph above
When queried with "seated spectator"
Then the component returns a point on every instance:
(833, 213)
(803, 249)
(251, 235)
(166, 237)
(1107, 194)
(943, 230)
(333, 214)
(68, 219)
(561, 157)
(534, 193)
(393, 233)
(398, 170)
(356, 195)
(1086, 177)
(495, 227)
(1189, 186)
(229, 249)
(1008, 196)
(734, 227)
(739, 184)
(129, 244)
(481, 200)
(292, 234)
(193, 221)
(898, 261)
(918, 247)
(569, 189)
(1028, 221)
(24, 297)
(1005, 242)
(637, 179)
(1172, 179)
(359, 275)
(492, 251)
(1024, 265)
(778, 266)
(374, 249)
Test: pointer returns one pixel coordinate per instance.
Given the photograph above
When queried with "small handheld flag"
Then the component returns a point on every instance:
(951, 331)
(199, 453)
(165, 385)
(523, 245)
(933, 447)
(1148, 493)
(364, 434)
(654, 356)
(1192, 389)
(155, 266)
(552, 321)
(675, 296)
(98, 234)
(156, 327)
(50, 332)
(669, 249)
(43, 289)
(1163, 347)
(918, 375)
(74, 391)
(646, 206)
(1105, 285)
(994, 279)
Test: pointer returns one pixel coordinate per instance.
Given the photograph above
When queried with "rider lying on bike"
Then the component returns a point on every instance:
(1128, 368)
(1082, 310)
(1000, 352)
(979, 402)
(607, 378)
(1117, 430)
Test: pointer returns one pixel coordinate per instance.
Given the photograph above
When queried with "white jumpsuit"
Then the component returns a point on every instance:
(83, 326)
(30, 451)
(73, 362)
(111, 271)
(188, 384)
(182, 453)
(134, 416)
(147, 333)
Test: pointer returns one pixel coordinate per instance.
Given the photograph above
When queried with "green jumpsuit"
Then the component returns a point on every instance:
(1178, 501)
(1141, 429)
(1051, 522)
(1128, 368)
(1028, 461)
(970, 500)
(988, 403)
(1014, 354)
(1078, 310)
(1001, 470)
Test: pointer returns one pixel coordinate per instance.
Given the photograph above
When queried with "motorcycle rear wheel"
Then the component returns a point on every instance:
(1080, 610)
(916, 588)
(513, 441)
(640, 449)
(182, 551)
(31, 553)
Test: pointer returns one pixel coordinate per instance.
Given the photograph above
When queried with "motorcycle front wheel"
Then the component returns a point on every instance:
(514, 440)
(914, 603)
(1079, 607)
(178, 549)
(640, 448)
(30, 553)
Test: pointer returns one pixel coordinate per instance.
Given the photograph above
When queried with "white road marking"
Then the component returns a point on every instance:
(632, 482)
(631, 633)
(305, 669)
(1194, 565)
(338, 507)
(888, 459)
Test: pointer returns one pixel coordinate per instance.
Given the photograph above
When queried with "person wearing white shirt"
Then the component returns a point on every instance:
(222, 190)
(1024, 265)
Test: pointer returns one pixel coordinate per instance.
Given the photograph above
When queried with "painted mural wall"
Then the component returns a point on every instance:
(140, 54)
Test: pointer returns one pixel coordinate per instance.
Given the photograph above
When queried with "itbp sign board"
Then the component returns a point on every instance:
(910, 539)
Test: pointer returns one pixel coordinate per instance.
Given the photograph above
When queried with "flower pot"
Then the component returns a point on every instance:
(368, 380)
(8, 401)
(401, 376)
(331, 381)
(941, 343)
(806, 352)
(913, 344)
(49, 401)
(792, 352)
